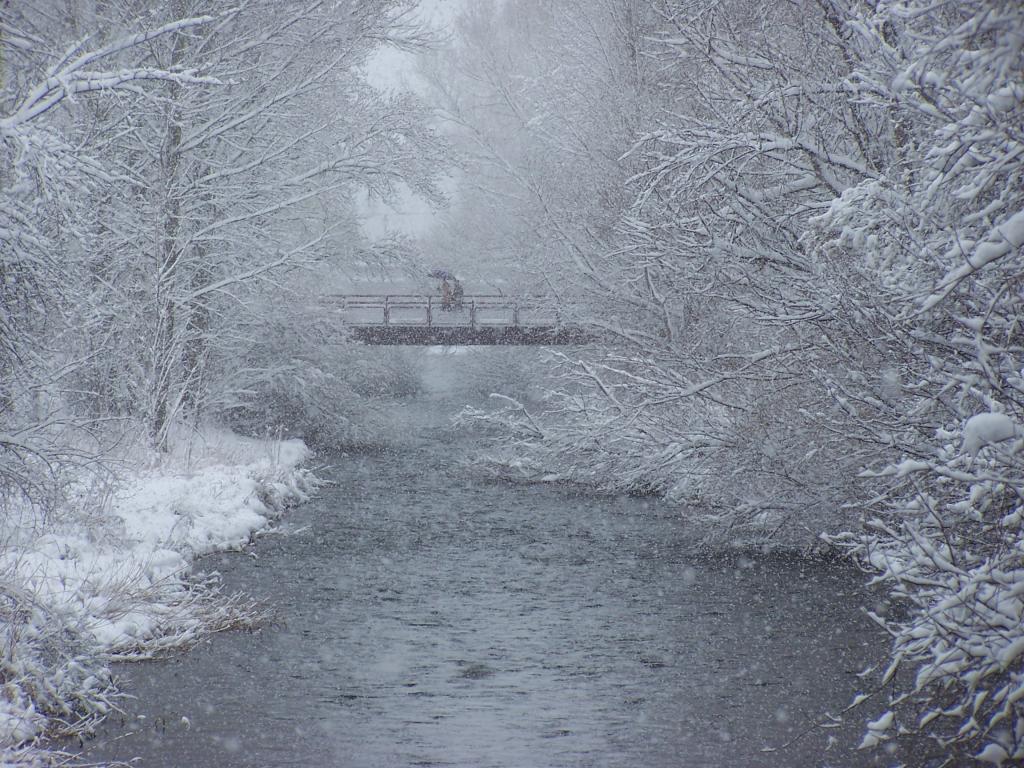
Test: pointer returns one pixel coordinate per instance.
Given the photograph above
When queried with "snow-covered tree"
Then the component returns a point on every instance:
(678, 234)
(244, 182)
(540, 97)
(50, 179)
(164, 169)
(238, 165)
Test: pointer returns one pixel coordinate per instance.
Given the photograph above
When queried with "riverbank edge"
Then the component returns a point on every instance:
(110, 577)
(711, 537)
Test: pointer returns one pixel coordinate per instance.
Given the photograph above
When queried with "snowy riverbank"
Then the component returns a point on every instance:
(108, 575)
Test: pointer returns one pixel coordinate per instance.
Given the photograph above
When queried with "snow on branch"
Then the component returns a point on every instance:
(1004, 239)
(73, 79)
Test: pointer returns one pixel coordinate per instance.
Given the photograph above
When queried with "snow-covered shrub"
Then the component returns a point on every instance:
(950, 546)
(305, 377)
(65, 617)
(745, 475)
(941, 235)
(708, 383)
(109, 577)
(50, 677)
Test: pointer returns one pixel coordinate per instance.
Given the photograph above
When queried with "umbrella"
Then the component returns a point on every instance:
(441, 274)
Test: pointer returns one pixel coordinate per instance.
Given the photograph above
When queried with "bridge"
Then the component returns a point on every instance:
(423, 320)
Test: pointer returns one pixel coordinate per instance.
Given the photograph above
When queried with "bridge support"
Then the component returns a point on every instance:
(457, 336)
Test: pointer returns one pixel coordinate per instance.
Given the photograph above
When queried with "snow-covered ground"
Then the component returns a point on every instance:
(108, 575)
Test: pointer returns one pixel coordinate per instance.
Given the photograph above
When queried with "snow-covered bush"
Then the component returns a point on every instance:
(327, 391)
(938, 240)
(728, 133)
(948, 540)
(50, 676)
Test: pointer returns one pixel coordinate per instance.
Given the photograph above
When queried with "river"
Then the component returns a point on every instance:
(425, 619)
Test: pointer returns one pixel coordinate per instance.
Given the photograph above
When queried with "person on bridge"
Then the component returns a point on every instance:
(446, 296)
(457, 294)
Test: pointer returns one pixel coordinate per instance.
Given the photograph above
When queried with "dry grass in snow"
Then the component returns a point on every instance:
(107, 575)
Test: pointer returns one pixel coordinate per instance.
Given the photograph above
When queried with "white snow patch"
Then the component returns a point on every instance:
(1007, 655)
(993, 753)
(876, 731)
(987, 429)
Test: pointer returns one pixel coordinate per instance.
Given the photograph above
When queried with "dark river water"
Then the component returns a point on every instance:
(424, 620)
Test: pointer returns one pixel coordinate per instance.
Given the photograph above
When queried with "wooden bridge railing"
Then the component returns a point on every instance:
(429, 311)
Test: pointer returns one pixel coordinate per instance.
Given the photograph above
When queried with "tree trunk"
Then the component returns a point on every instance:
(169, 254)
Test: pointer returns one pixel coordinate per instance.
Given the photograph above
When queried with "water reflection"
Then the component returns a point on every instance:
(424, 621)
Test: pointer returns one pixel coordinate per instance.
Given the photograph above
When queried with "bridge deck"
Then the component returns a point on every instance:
(476, 320)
